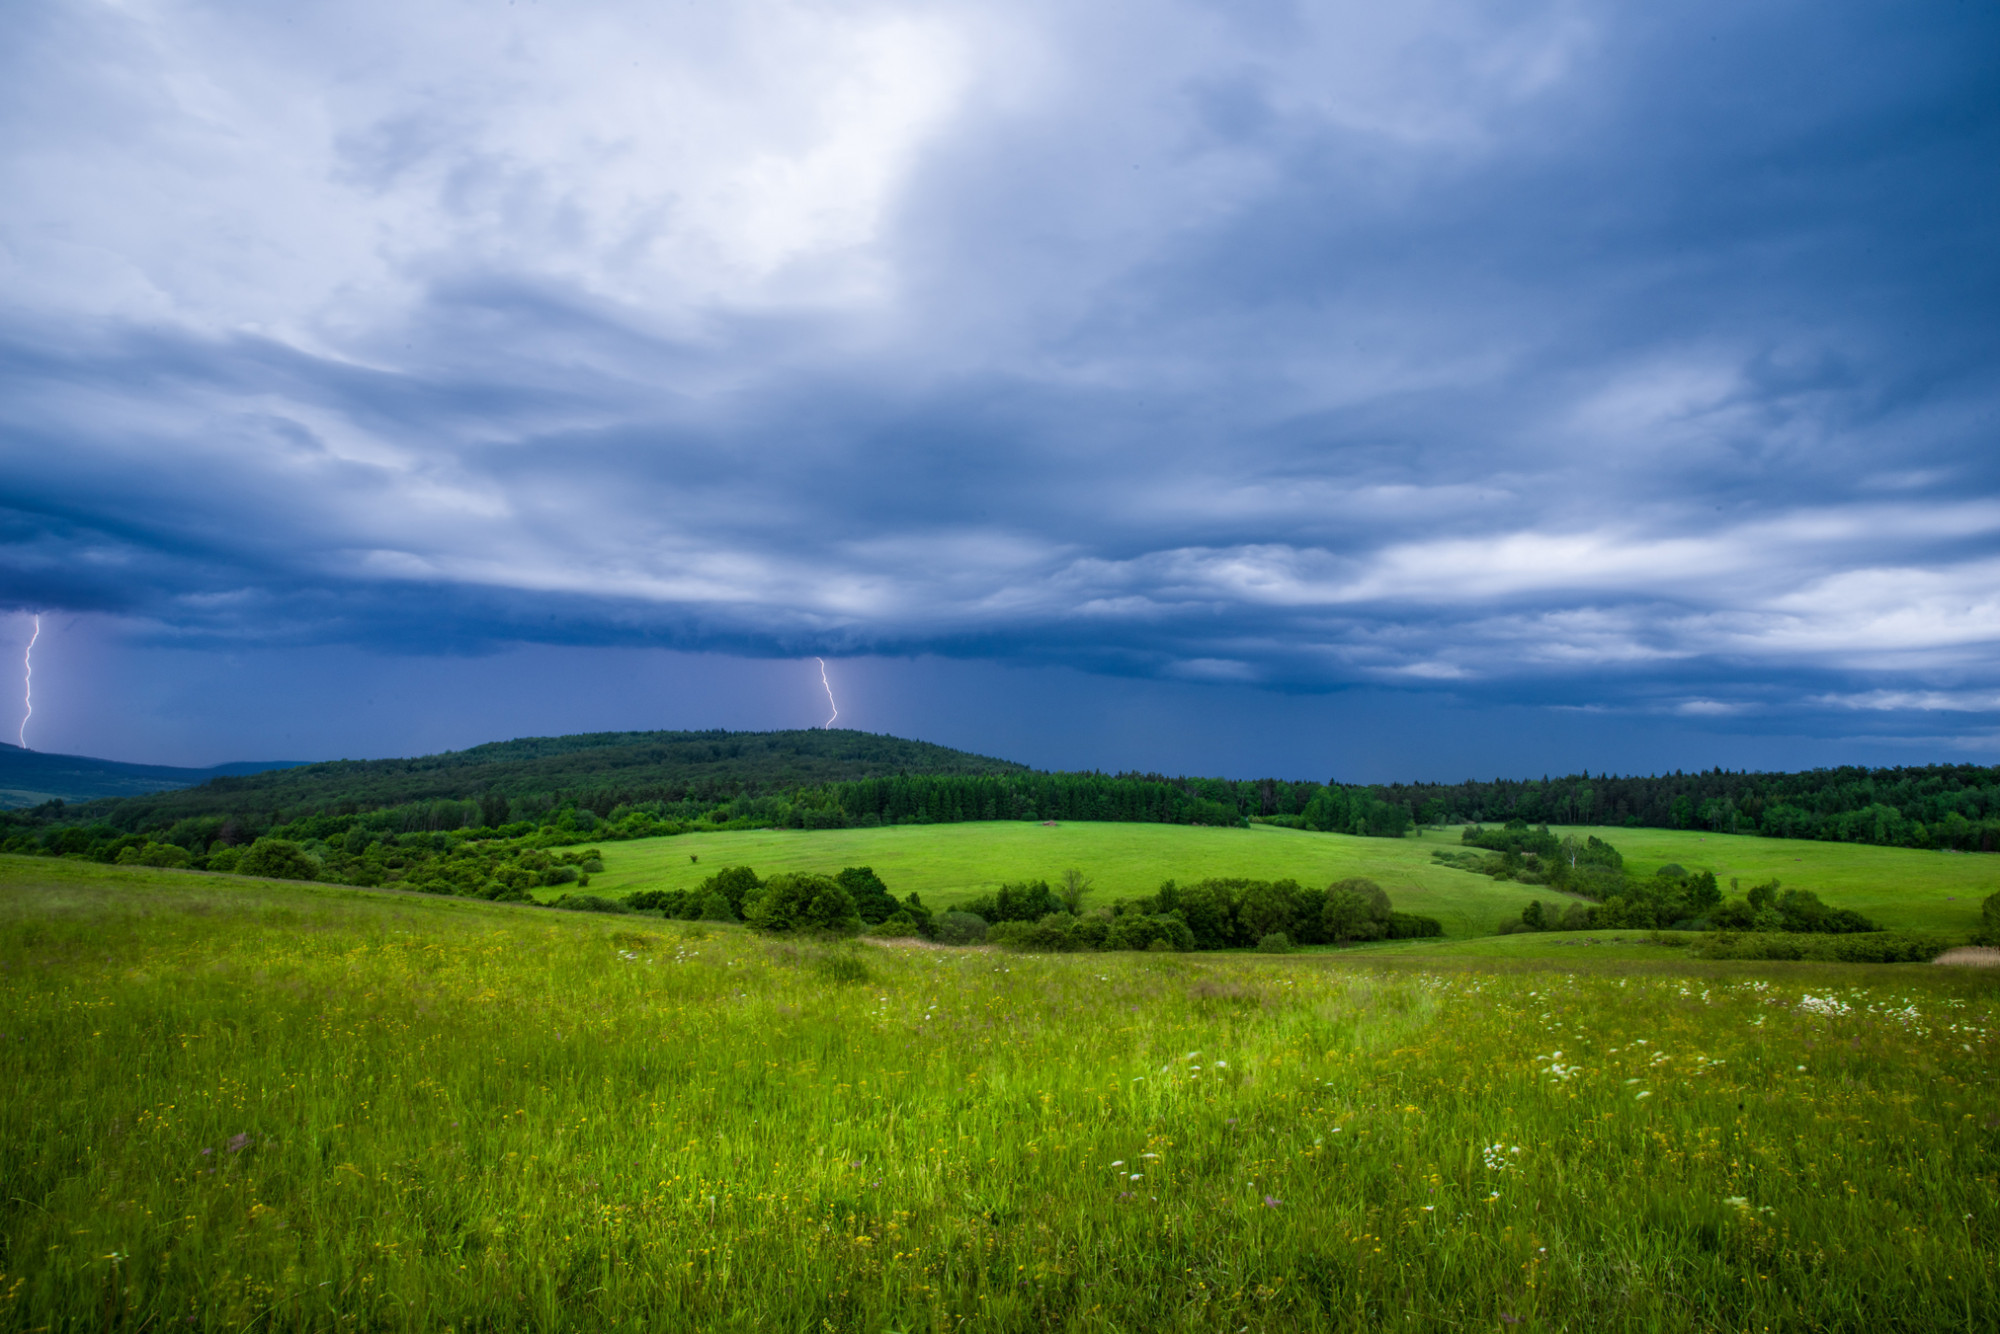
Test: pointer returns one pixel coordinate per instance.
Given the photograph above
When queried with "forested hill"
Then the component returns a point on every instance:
(31, 777)
(618, 785)
(525, 778)
(1922, 806)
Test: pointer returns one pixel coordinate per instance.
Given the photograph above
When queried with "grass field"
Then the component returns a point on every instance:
(951, 863)
(235, 1104)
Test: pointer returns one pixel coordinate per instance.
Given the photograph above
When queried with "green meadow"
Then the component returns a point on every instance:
(239, 1104)
(951, 863)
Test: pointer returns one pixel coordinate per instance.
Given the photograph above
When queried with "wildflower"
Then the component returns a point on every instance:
(1642, 1093)
(1137, 1176)
(1119, 1163)
(1272, 1201)
(242, 1141)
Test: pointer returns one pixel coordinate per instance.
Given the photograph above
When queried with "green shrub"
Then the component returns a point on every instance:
(222, 858)
(872, 900)
(1414, 926)
(587, 903)
(803, 902)
(277, 859)
(1356, 909)
(1276, 943)
(961, 928)
(1988, 930)
(1845, 947)
(1143, 931)
(716, 908)
(738, 884)
(155, 854)
(1058, 932)
(1022, 901)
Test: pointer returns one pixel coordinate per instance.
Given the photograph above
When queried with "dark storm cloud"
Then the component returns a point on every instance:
(1556, 353)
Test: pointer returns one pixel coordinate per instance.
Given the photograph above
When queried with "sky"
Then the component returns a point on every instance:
(1319, 390)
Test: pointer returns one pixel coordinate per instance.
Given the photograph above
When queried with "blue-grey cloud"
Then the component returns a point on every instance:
(1557, 352)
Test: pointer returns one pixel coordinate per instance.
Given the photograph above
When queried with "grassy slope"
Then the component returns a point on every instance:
(951, 863)
(236, 1103)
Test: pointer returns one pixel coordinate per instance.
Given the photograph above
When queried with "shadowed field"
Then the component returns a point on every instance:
(236, 1103)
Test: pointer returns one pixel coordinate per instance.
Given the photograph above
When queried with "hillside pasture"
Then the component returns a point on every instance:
(951, 863)
(240, 1104)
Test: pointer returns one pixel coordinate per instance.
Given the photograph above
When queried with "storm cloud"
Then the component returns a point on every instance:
(1562, 354)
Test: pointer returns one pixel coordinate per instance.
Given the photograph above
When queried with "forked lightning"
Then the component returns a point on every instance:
(28, 682)
(829, 691)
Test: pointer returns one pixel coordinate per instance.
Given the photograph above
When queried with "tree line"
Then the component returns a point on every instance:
(637, 785)
(1218, 914)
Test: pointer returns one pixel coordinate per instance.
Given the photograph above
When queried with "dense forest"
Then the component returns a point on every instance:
(560, 791)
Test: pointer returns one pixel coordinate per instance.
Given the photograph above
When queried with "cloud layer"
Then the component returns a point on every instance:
(1553, 352)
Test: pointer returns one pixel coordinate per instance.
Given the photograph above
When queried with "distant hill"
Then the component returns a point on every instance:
(599, 768)
(31, 777)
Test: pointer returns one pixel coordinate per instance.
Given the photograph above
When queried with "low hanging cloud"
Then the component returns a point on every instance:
(1560, 353)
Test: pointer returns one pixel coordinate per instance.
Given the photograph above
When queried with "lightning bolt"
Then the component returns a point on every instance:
(829, 691)
(28, 681)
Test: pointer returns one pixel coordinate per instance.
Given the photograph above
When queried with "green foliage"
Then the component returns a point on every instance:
(1148, 931)
(155, 854)
(277, 859)
(1865, 947)
(1414, 926)
(1988, 930)
(1356, 909)
(872, 899)
(1769, 907)
(587, 903)
(1023, 901)
(737, 884)
(1276, 943)
(805, 903)
(1075, 885)
(910, 918)
(960, 928)
(1059, 931)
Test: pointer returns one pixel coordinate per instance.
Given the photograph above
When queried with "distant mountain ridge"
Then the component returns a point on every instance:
(610, 767)
(31, 777)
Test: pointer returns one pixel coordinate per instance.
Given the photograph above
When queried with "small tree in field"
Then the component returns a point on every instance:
(1075, 884)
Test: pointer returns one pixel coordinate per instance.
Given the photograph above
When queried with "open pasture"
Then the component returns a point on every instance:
(236, 1104)
(951, 863)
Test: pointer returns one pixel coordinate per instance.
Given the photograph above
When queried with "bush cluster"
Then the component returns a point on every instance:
(1850, 947)
(1207, 915)
(853, 901)
(1608, 897)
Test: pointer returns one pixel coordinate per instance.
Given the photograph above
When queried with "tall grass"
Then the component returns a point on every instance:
(299, 1108)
